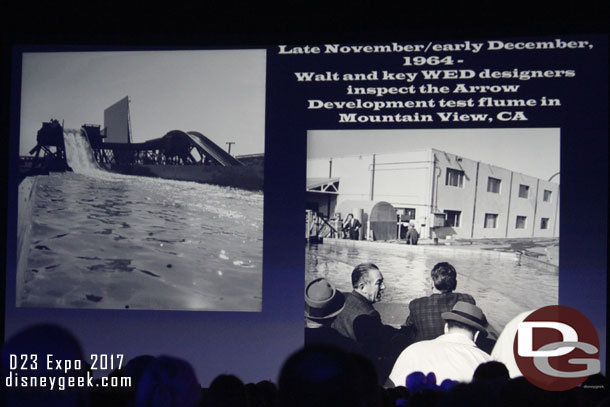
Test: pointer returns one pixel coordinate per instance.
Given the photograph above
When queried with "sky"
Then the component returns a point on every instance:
(220, 93)
(534, 152)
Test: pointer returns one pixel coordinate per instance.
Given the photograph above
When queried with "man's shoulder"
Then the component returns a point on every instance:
(419, 348)
(438, 302)
(421, 303)
(450, 298)
(356, 302)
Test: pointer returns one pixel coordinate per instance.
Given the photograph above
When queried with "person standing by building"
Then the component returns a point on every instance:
(351, 227)
(412, 235)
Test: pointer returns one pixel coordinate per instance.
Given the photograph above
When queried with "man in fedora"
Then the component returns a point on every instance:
(322, 304)
(453, 355)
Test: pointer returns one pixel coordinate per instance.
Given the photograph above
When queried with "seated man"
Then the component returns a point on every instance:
(425, 312)
(323, 302)
(453, 355)
(361, 322)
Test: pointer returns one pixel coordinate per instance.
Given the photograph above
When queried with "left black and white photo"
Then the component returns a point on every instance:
(141, 180)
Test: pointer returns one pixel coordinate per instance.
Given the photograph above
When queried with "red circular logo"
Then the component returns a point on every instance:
(557, 348)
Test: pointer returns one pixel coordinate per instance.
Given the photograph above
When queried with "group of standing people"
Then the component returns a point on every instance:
(350, 229)
(439, 334)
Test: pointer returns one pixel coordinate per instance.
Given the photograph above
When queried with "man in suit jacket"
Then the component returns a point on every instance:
(351, 227)
(425, 312)
(361, 322)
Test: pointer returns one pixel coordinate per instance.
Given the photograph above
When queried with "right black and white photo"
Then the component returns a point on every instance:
(436, 218)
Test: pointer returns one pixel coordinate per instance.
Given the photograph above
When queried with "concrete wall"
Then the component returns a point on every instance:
(454, 198)
(522, 206)
(25, 204)
(547, 209)
(403, 179)
(488, 202)
(116, 122)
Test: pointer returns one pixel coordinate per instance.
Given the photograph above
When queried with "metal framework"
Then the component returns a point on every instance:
(323, 185)
(174, 148)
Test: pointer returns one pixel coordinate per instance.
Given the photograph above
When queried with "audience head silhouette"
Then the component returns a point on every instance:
(36, 343)
(168, 382)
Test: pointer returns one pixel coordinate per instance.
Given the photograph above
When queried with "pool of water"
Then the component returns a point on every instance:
(500, 285)
(112, 241)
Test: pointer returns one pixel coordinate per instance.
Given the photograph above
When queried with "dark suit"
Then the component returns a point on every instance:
(351, 228)
(327, 336)
(425, 313)
(360, 322)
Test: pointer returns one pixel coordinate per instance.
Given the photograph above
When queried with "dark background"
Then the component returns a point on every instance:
(203, 336)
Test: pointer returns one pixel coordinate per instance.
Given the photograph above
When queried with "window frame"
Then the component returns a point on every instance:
(545, 197)
(459, 174)
(487, 218)
(458, 217)
(494, 182)
(526, 189)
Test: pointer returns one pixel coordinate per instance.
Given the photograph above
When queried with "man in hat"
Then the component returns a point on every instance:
(425, 312)
(322, 304)
(453, 355)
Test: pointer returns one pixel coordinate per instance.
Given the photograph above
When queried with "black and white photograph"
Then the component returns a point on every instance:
(141, 180)
(405, 226)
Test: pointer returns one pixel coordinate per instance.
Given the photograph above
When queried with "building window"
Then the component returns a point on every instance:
(547, 195)
(491, 221)
(455, 178)
(520, 222)
(493, 185)
(524, 191)
(544, 223)
(452, 218)
(407, 214)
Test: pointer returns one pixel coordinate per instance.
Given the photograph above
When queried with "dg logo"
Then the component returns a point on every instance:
(557, 348)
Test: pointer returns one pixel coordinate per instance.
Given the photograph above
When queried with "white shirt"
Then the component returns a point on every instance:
(451, 356)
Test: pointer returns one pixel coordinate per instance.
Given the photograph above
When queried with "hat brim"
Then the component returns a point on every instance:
(334, 308)
(450, 316)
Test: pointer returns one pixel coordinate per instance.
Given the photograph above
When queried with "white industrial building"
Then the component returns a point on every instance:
(442, 193)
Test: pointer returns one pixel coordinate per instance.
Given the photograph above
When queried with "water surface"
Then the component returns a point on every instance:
(500, 285)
